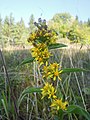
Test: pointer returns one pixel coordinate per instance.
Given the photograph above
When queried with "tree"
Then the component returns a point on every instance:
(61, 22)
(0, 21)
(1, 42)
(76, 18)
(31, 23)
(64, 18)
(8, 29)
(88, 22)
(11, 19)
(21, 32)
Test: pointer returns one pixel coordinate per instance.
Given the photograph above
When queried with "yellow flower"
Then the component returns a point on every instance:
(49, 91)
(42, 35)
(57, 104)
(41, 53)
(32, 37)
(56, 74)
(52, 71)
(54, 65)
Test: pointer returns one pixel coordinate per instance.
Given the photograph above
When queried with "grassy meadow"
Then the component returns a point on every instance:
(31, 107)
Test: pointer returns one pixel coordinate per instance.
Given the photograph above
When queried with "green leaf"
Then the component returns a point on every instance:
(56, 118)
(26, 91)
(66, 70)
(56, 45)
(86, 91)
(5, 104)
(27, 60)
(78, 110)
(31, 90)
(5, 108)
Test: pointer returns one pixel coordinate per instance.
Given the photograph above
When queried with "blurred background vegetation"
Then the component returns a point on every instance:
(68, 27)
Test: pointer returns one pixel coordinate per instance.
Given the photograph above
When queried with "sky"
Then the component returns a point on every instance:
(44, 8)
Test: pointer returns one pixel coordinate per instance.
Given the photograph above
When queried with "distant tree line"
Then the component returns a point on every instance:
(16, 33)
(71, 28)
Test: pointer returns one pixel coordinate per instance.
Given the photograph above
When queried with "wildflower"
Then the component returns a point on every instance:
(42, 34)
(32, 37)
(49, 91)
(52, 71)
(57, 104)
(41, 53)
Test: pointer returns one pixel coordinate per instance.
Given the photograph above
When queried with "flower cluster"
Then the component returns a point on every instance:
(58, 104)
(41, 39)
(41, 53)
(42, 34)
(52, 71)
(48, 90)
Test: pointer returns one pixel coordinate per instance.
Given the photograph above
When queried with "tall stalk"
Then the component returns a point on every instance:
(35, 80)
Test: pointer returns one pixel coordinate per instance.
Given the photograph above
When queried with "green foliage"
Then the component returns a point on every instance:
(66, 70)
(27, 60)
(78, 110)
(64, 18)
(86, 91)
(69, 27)
(12, 33)
(23, 77)
(16, 33)
(5, 105)
(8, 107)
(88, 22)
(73, 109)
(56, 45)
(61, 23)
(26, 91)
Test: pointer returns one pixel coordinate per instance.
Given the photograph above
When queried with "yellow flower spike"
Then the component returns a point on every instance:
(43, 31)
(52, 71)
(57, 104)
(41, 53)
(49, 91)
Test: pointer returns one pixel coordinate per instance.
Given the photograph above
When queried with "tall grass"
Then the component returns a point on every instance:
(21, 77)
(74, 57)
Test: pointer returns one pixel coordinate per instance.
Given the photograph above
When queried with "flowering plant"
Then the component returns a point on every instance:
(43, 40)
